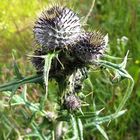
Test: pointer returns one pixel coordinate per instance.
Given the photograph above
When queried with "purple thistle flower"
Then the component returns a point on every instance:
(72, 102)
(56, 28)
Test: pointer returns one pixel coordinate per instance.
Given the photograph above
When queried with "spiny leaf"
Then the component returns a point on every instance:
(11, 85)
(102, 131)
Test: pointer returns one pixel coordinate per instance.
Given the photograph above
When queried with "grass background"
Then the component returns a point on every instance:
(118, 18)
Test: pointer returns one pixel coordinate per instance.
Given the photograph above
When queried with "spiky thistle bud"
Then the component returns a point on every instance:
(72, 102)
(56, 28)
(90, 47)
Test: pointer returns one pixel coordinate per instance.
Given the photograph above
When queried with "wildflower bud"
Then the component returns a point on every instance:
(72, 102)
(90, 47)
(56, 28)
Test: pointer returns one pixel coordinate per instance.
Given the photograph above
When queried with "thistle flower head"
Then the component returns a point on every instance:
(91, 46)
(72, 102)
(56, 28)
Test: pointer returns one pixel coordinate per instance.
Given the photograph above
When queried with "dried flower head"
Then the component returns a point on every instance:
(72, 102)
(56, 28)
(90, 47)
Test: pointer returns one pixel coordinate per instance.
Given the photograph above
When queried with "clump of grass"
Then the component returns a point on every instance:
(69, 114)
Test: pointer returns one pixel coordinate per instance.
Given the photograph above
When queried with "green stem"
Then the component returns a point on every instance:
(79, 128)
(58, 130)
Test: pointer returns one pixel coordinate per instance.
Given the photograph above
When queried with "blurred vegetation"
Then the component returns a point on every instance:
(118, 18)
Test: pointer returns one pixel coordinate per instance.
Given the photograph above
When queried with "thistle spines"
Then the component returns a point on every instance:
(90, 46)
(57, 28)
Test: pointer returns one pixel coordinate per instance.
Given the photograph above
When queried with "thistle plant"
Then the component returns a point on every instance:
(66, 53)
